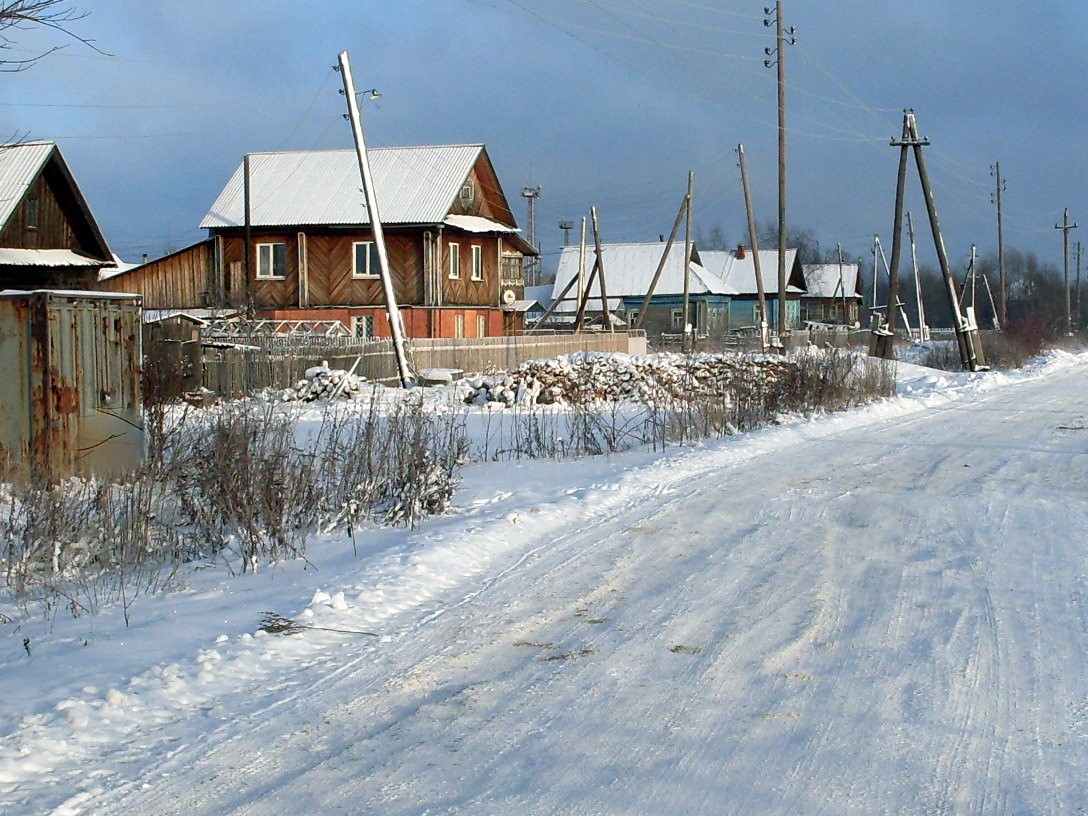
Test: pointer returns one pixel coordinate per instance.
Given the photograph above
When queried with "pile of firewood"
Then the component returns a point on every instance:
(323, 383)
(580, 379)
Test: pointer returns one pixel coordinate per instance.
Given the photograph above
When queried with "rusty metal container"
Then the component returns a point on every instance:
(70, 396)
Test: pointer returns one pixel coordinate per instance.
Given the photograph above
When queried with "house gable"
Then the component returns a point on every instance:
(45, 208)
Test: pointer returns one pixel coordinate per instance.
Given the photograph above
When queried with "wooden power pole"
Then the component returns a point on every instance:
(685, 345)
(965, 337)
(1065, 226)
(1002, 300)
(783, 36)
(396, 327)
(753, 238)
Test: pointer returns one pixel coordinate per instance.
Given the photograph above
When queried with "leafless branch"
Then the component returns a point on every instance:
(24, 14)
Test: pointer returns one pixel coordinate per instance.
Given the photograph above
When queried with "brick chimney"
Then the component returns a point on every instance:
(741, 253)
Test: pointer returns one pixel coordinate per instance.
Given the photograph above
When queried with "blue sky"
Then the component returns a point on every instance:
(599, 102)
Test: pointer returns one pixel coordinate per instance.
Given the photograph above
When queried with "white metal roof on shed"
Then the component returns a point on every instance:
(45, 257)
(413, 185)
(19, 166)
(740, 273)
(629, 270)
(824, 281)
(475, 223)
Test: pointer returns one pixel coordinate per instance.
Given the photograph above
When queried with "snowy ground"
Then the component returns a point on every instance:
(884, 611)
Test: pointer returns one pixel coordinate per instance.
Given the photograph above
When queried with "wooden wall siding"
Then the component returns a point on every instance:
(464, 291)
(54, 227)
(178, 281)
(330, 264)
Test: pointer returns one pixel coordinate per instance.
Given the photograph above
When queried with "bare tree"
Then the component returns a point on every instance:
(58, 15)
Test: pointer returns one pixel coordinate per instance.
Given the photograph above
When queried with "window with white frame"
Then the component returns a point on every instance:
(455, 261)
(272, 261)
(477, 263)
(678, 319)
(362, 327)
(459, 325)
(632, 317)
(364, 260)
(481, 325)
(468, 192)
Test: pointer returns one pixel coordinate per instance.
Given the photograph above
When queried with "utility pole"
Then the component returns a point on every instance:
(783, 37)
(246, 194)
(1065, 226)
(532, 194)
(753, 237)
(969, 350)
(687, 263)
(606, 315)
(1078, 284)
(1003, 302)
(923, 330)
(661, 264)
(396, 327)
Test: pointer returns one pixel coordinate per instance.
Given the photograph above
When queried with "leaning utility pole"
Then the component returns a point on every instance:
(1065, 226)
(783, 37)
(393, 313)
(661, 264)
(923, 330)
(753, 237)
(684, 343)
(1000, 242)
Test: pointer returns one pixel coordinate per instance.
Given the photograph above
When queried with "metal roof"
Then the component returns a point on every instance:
(629, 270)
(740, 273)
(823, 280)
(413, 185)
(19, 166)
(45, 257)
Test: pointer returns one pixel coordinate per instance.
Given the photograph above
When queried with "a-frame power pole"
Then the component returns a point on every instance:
(966, 334)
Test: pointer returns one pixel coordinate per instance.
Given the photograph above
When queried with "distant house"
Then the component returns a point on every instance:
(629, 270)
(834, 294)
(737, 270)
(48, 236)
(453, 245)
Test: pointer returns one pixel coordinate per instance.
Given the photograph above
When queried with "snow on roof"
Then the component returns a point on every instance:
(19, 166)
(824, 281)
(476, 223)
(629, 270)
(45, 257)
(413, 185)
(740, 273)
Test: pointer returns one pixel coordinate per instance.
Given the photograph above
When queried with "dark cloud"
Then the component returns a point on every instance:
(605, 102)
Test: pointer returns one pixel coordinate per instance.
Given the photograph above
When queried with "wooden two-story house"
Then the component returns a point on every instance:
(453, 245)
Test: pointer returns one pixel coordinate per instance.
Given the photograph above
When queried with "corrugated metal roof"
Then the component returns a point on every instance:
(740, 273)
(413, 185)
(823, 280)
(19, 166)
(629, 270)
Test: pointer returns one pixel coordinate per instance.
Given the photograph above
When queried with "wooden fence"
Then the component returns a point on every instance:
(280, 363)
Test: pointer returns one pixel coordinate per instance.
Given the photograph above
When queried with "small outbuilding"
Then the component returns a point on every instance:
(70, 391)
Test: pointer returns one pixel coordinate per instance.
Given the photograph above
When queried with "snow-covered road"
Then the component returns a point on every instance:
(883, 613)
